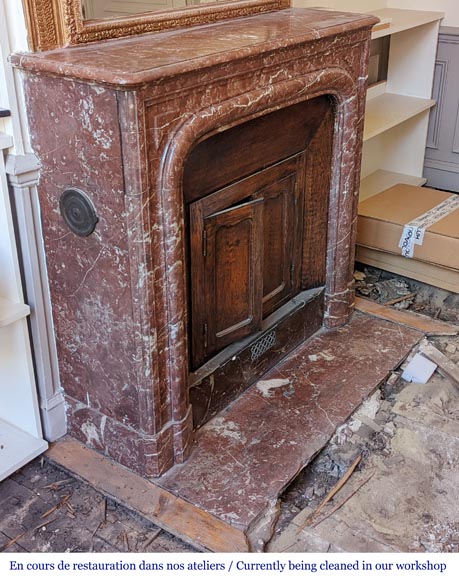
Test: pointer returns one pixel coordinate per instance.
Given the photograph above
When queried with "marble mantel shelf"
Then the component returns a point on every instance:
(150, 57)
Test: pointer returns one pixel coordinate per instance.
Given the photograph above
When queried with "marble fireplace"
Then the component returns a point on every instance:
(151, 148)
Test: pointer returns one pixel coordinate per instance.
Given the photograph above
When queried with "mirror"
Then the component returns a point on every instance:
(58, 23)
(102, 9)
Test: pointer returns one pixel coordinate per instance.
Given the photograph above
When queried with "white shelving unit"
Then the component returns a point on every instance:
(11, 312)
(389, 110)
(17, 448)
(381, 179)
(397, 110)
(20, 430)
(401, 20)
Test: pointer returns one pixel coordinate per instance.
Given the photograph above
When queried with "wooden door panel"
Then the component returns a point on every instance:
(228, 302)
(278, 241)
(234, 238)
(245, 255)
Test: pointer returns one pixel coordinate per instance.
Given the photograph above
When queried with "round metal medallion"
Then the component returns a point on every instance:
(78, 212)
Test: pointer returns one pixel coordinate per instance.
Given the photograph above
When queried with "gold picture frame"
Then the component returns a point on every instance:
(57, 23)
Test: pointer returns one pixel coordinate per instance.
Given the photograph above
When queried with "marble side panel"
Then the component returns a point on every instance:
(75, 132)
(146, 455)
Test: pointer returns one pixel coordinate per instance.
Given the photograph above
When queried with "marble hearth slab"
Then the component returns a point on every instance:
(245, 457)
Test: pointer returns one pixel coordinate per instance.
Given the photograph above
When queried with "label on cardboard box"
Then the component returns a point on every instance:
(413, 233)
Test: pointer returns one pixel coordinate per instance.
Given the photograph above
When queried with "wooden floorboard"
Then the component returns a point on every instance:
(429, 326)
(169, 512)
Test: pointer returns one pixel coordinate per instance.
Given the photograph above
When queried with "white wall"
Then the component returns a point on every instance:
(13, 38)
(450, 7)
(17, 32)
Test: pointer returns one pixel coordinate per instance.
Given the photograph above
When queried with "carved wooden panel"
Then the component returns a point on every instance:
(281, 245)
(245, 255)
(44, 24)
(226, 274)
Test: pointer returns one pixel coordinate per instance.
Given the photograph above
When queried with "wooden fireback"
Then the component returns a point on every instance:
(119, 120)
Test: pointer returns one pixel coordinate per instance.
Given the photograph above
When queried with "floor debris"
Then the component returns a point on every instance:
(333, 491)
(400, 497)
(391, 292)
(98, 524)
(428, 300)
(446, 367)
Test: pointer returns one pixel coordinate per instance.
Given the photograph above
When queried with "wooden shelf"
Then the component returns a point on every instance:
(6, 141)
(11, 311)
(401, 20)
(17, 448)
(389, 110)
(381, 180)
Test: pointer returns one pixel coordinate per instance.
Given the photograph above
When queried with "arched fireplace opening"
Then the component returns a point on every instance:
(257, 199)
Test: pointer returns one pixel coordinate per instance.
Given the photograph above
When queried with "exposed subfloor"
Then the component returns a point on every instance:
(45, 509)
(409, 442)
(404, 494)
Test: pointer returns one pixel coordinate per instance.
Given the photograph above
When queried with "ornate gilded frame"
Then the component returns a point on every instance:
(57, 23)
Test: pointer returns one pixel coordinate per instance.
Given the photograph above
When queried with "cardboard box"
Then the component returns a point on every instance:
(431, 215)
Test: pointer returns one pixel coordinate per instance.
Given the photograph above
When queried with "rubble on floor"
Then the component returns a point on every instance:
(402, 494)
(406, 293)
(391, 292)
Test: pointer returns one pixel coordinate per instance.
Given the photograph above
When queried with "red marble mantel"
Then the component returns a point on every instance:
(117, 119)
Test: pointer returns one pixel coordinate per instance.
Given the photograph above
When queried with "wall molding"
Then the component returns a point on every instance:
(455, 148)
(23, 174)
(442, 165)
(441, 72)
(449, 31)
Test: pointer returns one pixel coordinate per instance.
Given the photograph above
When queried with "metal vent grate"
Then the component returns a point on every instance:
(264, 344)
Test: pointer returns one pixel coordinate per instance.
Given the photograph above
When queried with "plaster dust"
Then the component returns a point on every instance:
(408, 470)
(266, 387)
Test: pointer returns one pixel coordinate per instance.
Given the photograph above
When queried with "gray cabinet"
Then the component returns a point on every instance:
(441, 166)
